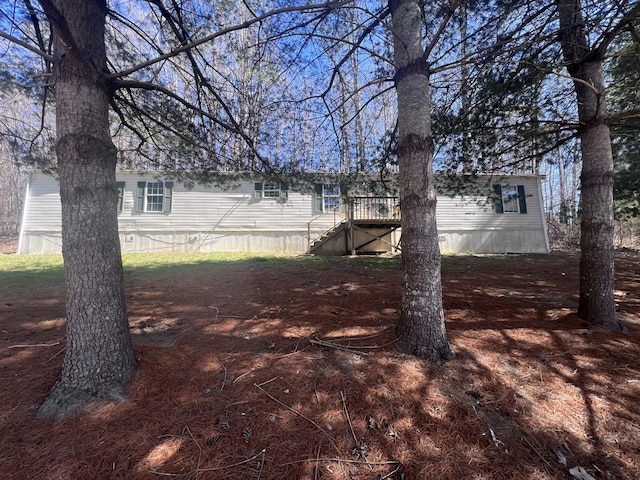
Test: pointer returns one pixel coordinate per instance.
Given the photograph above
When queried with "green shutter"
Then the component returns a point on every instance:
(317, 198)
(521, 199)
(120, 189)
(284, 191)
(140, 196)
(168, 197)
(257, 193)
(497, 201)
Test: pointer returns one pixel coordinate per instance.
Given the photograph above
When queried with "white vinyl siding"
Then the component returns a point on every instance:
(479, 213)
(232, 218)
(473, 224)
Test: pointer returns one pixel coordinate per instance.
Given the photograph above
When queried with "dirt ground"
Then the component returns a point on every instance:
(286, 370)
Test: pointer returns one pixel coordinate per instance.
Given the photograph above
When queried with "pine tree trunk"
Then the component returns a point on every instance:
(597, 304)
(421, 330)
(99, 359)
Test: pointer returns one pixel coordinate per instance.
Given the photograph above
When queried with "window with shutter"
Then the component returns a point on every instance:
(271, 190)
(156, 196)
(326, 198)
(510, 199)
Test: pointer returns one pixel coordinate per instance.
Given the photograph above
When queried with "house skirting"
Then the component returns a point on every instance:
(493, 241)
(287, 242)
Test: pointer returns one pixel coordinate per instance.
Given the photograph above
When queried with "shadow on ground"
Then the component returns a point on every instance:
(286, 369)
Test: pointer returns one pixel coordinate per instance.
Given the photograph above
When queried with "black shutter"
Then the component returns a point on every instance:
(497, 201)
(318, 203)
(120, 189)
(142, 186)
(167, 200)
(522, 199)
(258, 190)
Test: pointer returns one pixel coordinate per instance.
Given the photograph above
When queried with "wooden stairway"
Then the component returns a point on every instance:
(330, 235)
(357, 237)
(368, 228)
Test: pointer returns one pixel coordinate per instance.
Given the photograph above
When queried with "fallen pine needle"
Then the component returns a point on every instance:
(345, 310)
(316, 472)
(337, 459)
(300, 414)
(346, 460)
(536, 451)
(346, 414)
(348, 348)
(54, 356)
(212, 469)
(268, 381)
(245, 373)
(224, 379)
(337, 346)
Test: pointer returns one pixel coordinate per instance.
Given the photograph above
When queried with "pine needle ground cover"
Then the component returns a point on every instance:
(285, 368)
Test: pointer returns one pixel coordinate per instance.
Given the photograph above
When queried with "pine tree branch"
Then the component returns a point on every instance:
(452, 9)
(621, 118)
(227, 30)
(136, 84)
(27, 46)
(627, 19)
(354, 46)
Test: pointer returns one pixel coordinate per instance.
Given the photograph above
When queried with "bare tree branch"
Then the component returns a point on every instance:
(224, 31)
(31, 48)
(443, 24)
(355, 45)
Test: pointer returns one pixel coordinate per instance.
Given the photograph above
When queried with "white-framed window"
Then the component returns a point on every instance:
(271, 190)
(154, 197)
(510, 199)
(327, 198)
(330, 197)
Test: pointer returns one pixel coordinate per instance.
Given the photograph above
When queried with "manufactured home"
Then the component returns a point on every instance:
(156, 214)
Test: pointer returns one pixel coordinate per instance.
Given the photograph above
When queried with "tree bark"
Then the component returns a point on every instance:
(421, 330)
(99, 359)
(597, 304)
